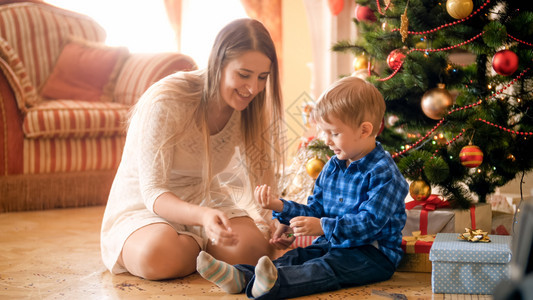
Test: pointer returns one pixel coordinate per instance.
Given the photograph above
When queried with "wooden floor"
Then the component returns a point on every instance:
(55, 254)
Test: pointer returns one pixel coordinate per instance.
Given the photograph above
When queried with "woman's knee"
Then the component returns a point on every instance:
(161, 255)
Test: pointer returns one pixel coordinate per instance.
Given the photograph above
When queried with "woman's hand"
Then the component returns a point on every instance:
(306, 226)
(283, 237)
(266, 199)
(217, 227)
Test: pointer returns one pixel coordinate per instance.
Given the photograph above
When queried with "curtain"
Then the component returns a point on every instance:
(173, 8)
(268, 13)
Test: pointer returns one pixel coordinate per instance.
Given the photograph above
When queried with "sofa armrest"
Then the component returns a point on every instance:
(140, 71)
(17, 75)
(11, 135)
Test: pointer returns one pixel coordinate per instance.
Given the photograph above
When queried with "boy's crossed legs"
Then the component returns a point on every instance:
(232, 280)
(301, 271)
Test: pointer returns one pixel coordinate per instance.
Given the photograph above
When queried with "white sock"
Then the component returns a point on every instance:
(224, 275)
(266, 275)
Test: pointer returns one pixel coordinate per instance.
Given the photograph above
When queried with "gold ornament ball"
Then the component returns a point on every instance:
(360, 62)
(459, 9)
(422, 44)
(436, 101)
(419, 190)
(314, 167)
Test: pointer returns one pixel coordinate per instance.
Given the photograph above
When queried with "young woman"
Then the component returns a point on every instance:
(166, 204)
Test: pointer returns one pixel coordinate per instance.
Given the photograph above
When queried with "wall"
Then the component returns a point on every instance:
(296, 74)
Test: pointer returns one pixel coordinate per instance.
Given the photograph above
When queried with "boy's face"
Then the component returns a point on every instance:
(346, 142)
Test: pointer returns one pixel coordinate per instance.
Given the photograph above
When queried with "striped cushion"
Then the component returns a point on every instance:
(38, 32)
(142, 70)
(72, 155)
(75, 118)
(29, 94)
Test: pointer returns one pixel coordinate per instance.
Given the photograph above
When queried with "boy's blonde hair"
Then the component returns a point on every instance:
(353, 101)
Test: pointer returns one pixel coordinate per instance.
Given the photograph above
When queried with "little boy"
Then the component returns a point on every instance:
(357, 208)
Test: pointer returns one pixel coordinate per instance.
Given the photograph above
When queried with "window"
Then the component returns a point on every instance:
(140, 25)
(143, 26)
(201, 21)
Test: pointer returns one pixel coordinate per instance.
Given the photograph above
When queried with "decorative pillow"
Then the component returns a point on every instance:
(29, 93)
(85, 71)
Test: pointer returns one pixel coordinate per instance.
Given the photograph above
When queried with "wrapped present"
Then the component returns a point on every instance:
(502, 223)
(463, 267)
(416, 253)
(434, 215)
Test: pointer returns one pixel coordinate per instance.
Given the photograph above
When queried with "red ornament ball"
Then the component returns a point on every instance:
(335, 6)
(364, 13)
(395, 59)
(471, 156)
(505, 62)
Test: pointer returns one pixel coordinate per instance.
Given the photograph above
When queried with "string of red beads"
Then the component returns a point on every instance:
(504, 128)
(448, 24)
(451, 47)
(520, 41)
(449, 142)
(386, 7)
(431, 50)
(419, 141)
(393, 73)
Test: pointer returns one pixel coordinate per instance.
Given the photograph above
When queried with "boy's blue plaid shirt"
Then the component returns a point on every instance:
(359, 204)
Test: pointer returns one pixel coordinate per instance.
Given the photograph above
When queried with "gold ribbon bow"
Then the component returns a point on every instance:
(475, 235)
(417, 236)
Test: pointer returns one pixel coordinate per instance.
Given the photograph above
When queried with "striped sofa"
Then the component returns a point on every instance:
(57, 153)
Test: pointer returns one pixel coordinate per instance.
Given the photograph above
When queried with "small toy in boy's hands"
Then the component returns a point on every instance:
(476, 235)
(289, 235)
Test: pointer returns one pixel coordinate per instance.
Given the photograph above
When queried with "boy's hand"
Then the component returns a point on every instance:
(306, 226)
(281, 239)
(266, 199)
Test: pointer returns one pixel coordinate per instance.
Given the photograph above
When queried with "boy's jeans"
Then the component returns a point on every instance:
(319, 268)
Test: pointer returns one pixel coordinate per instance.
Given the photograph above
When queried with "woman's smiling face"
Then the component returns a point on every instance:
(243, 78)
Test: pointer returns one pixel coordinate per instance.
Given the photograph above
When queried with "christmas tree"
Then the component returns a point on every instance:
(456, 77)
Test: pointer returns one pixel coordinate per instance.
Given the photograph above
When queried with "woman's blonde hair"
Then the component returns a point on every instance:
(353, 101)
